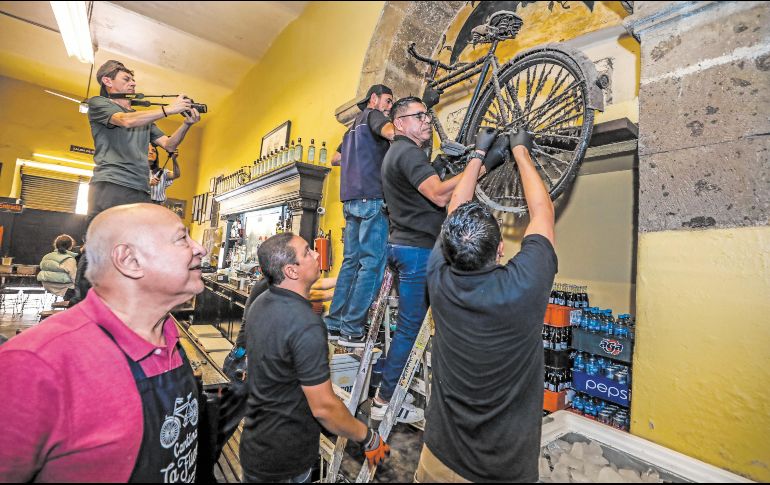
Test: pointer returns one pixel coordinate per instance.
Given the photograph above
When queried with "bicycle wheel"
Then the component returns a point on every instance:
(545, 93)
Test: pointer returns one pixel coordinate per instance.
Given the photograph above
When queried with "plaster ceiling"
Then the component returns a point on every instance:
(200, 48)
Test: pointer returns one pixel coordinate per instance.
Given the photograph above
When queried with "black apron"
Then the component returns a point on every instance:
(169, 450)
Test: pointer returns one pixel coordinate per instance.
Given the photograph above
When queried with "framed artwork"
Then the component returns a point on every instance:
(276, 139)
(177, 206)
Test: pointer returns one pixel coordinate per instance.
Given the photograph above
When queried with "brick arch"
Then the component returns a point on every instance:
(387, 62)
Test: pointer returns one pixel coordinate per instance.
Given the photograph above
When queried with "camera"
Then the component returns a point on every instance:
(202, 108)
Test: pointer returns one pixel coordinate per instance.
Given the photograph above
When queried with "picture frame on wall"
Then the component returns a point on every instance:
(277, 138)
(176, 206)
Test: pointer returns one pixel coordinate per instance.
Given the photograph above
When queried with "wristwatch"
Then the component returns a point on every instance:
(477, 154)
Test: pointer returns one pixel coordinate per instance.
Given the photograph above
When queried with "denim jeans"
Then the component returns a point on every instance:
(363, 264)
(410, 263)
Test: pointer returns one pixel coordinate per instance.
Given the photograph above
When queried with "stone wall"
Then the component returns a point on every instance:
(704, 129)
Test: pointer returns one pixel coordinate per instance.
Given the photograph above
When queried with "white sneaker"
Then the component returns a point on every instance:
(407, 414)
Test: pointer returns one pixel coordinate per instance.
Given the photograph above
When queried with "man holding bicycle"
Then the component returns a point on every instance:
(416, 199)
(484, 417)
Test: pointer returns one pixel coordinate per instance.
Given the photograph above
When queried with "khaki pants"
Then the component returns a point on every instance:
(432, 470)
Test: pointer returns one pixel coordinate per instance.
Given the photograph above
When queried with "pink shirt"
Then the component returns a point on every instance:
(70, 410)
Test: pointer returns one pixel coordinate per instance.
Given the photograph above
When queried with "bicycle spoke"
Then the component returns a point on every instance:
(548, 155)
(556, 105)
(557, 116)
(526, 87)
(540, 84)
(515, 97)
(550, 104)
(562, 121)
(557, 135)
(545, 173)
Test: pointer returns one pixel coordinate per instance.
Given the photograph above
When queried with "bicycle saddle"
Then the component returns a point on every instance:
(502, 25)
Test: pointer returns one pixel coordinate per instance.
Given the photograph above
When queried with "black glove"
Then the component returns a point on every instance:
(520, 137)
(484, 138)
(497, 154)
(430, 97)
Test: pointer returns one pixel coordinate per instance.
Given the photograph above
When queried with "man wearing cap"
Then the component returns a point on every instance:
(366, 226)
(121, 136)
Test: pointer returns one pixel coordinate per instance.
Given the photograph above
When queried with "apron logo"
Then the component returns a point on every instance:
(184, 413)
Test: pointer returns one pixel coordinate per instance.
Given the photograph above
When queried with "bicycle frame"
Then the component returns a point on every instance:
(457, 75)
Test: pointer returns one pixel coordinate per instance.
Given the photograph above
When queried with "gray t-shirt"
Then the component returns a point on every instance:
(120, 153)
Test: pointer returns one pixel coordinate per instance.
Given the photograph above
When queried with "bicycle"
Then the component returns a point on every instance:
(551, 91)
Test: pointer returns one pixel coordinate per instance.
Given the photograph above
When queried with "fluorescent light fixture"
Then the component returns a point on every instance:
(73, 25)
(57, 168)
(40, 155)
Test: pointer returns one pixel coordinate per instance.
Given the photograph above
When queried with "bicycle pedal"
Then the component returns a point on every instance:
(453, 148)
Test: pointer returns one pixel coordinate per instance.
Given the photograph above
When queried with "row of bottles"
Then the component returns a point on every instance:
(599, 366)
(557, 379)
(572, 296)
(556, 338)
(602, 411)
(596, 320)
(289, 154)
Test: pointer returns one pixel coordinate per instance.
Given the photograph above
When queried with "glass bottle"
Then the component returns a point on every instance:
(311, 151)
(290, 154)
(298, 151)
(322, 154)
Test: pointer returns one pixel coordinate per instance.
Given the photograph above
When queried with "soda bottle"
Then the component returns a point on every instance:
(546, 337)
(552, 298)
(609, 322)
(584, 318)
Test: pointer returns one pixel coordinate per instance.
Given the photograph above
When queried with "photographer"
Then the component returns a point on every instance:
(121, 136)
(160, 177)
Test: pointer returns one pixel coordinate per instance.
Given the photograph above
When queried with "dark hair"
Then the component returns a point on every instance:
(274, 254)
(63, 243)
(470, 236)
(402, 105)
(112, 75)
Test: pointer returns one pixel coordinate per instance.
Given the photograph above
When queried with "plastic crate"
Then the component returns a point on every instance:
(559, 315)
(624, 449)
(554, 401)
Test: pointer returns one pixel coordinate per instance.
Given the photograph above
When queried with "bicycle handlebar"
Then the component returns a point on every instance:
(413, 52)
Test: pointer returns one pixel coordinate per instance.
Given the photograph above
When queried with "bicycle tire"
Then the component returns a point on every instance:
(558, 153)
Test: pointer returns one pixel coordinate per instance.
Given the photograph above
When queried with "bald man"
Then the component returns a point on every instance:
(103, 391)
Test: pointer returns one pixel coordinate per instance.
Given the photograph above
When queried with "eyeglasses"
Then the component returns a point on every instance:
(422, 116)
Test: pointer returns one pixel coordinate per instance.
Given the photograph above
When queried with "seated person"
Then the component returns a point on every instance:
(59, 268)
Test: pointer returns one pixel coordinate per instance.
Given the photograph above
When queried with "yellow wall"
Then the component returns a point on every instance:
(33, 121)
(702, 358)
(312, 67)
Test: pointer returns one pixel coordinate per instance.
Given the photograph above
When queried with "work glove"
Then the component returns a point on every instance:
(375, 448)
(430, 97)
(520, 137)
(497, 154)
(485, 137)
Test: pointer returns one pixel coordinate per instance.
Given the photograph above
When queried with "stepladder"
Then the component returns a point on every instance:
(332, 452)
(332, 459)
(367, 472)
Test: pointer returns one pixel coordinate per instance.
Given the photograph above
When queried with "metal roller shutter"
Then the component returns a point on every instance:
(46, 190)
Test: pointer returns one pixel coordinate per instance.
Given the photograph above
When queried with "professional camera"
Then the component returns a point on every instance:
(202, 108)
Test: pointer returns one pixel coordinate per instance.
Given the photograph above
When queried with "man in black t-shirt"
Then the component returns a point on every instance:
(484, 418)
(366, 226)
(290, 394)
(416, 198)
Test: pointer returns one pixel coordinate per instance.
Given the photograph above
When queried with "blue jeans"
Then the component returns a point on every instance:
(410, 263)
(363, 264)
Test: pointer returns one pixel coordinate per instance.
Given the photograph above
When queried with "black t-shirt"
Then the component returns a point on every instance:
(485, 413)
(287, 348)
(414, 220)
